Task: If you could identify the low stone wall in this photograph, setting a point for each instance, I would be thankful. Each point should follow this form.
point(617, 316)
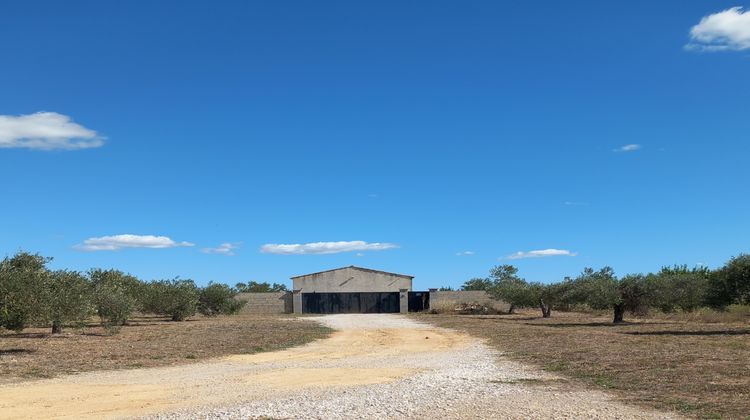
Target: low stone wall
point(454, 297)
point(267, 303)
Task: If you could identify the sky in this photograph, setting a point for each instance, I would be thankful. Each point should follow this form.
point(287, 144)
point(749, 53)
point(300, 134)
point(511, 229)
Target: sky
point(254, 140)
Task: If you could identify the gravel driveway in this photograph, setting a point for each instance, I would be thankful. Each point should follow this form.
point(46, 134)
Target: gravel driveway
point(374, 366)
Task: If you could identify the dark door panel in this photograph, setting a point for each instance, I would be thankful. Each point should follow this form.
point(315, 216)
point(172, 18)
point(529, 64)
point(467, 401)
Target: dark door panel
point(343, 303)
point(419, 301)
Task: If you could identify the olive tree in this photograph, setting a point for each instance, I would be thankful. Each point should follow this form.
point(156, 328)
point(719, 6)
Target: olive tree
point(67, 298)
point(22, 279)
point(731, 283)
point(116, 296)
point(549, 296)
point(477, 283)
point(678, 288)
point(509, 287)
point(255, 287)
point(602, 290)
point(216, 299)
point(175, 298)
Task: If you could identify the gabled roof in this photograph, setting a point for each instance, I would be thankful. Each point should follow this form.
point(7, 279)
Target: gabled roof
point(355, 268)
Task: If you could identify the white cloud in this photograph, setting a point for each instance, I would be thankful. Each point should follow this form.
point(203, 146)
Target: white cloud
point(325, 247)
point(117, 242)
point(628, 148)
point(226, 248)
point(46, 131)
point(541, 253)
point(463, 253)
point(576, 203)
point(722, 31)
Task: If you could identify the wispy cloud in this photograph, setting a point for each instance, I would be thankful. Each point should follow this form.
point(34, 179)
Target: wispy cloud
point(117, 242)
point(46, 131)
point(576, 203)
point(464, 253)
point(325, 247)
point(728, 30)
point(227, 248)
point(628, 148)
point(540, 253)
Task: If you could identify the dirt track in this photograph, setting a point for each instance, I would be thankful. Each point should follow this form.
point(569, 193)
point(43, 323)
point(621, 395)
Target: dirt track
point(373, 366)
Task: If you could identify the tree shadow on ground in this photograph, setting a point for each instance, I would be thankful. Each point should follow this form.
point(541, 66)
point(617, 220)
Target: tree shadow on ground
point(678, 332)
point(5, 352)
point(597, 324)
point(24, 335)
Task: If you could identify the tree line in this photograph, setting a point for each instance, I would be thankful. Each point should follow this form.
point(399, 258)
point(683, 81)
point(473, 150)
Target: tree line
point(32, 294)
point(671, 289)
point(255, 287)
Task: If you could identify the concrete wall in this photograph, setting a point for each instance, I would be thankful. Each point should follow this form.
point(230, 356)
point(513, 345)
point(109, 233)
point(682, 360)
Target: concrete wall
point(267, 303)
point(351, 279)
point(454, 297)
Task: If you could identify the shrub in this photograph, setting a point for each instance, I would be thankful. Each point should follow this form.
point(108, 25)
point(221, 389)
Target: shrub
point(218, 299)
point(176, 298)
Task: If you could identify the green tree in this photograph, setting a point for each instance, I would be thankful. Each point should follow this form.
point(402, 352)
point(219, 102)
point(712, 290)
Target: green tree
point(549, 296)
point(255, 287)
point(68, 298)
point(731, 283)
point(176, 298)
point(678, 287)
point(218, 299)
point(22, 278)
point(509, 287)
point(116, 296)
point(602, 290)
point(477, 283)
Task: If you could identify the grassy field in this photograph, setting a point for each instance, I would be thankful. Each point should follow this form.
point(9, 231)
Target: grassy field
point(147, 342)
point(698, 369)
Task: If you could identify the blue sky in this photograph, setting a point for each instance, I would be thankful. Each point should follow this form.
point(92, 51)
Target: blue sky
point(600, 133)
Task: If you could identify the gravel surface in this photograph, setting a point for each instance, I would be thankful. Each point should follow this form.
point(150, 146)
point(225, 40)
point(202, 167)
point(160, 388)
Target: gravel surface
point(458, 378)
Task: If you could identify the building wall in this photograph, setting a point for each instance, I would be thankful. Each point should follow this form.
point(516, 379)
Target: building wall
point(267, 303)
point(453, 297)
point(351, 280)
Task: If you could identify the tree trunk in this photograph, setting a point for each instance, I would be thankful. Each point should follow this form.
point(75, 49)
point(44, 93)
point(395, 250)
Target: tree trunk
point(546, 309)
point(512, 308)
point(619, 312)
point(56, 327)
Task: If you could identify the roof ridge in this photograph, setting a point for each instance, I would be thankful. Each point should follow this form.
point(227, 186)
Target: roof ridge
point(356, 268)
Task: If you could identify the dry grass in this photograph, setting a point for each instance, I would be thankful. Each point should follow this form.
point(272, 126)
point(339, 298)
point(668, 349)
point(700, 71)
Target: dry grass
point(696, 368)
point(147, 342)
